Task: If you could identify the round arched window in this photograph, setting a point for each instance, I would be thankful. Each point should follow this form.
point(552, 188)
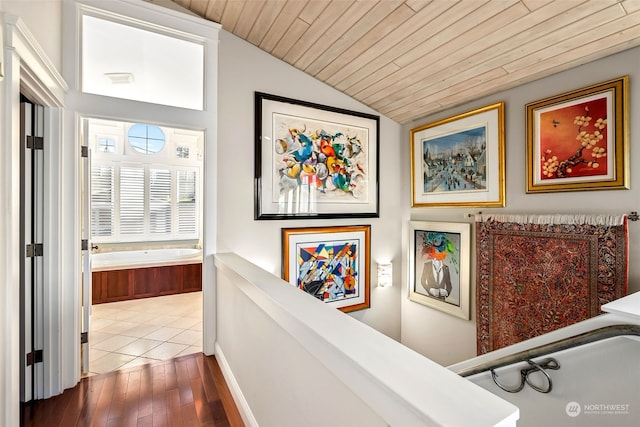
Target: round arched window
point(146, 139)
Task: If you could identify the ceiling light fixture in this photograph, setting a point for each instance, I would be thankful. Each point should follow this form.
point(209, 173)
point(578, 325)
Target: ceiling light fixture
point(119, 78)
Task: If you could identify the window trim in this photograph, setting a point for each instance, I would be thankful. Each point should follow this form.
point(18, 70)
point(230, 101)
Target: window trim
point(85, 10)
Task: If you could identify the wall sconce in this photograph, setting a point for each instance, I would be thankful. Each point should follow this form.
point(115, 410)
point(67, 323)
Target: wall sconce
point(385, 274)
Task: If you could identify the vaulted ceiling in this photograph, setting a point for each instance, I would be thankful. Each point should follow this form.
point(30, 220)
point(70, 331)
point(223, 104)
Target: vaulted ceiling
point(410, 58)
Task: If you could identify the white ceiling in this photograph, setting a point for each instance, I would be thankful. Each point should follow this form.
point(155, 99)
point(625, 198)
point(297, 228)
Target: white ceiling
point(410, 58)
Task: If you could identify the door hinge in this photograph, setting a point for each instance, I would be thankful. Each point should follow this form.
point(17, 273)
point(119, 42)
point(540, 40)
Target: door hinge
point(35, 142)
point(36, 356)
point(84, 151)
point(84, 337)
point(84, 244)
point(34, 250)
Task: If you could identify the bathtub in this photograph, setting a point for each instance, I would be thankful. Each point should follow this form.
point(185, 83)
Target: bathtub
point(144, 258)
point(596, 383)
point(126, 275)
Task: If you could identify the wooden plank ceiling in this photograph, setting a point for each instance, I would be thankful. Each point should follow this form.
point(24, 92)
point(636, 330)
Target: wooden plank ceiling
point(407, 59)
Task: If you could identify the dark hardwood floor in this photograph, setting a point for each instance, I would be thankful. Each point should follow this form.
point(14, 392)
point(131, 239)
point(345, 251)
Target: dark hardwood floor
point(183, 392)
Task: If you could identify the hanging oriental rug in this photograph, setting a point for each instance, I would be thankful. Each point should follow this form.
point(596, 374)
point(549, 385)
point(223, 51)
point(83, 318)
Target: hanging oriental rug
point(539, 273)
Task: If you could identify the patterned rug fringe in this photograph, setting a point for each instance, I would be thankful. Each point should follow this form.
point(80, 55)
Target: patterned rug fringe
point(608, 220)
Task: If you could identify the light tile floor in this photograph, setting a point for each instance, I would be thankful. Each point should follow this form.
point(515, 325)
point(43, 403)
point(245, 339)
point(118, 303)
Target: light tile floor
point(131, 333)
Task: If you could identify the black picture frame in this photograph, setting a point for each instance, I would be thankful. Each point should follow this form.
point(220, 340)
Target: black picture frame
point(314, 161)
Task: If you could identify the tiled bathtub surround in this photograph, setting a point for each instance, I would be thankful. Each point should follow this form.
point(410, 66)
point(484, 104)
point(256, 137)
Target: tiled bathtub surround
point(130, 333)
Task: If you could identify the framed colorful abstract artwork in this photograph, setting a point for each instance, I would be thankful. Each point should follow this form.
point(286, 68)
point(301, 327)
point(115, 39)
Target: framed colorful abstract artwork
point(579, 140)
point(439, 256)
point(329, 263)
point(314, 161)
point(459, 161)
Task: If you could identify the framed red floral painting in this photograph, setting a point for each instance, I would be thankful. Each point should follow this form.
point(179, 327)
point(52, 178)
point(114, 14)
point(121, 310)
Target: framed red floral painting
point(579, 140)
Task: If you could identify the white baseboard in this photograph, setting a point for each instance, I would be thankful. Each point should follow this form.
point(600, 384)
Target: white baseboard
point(234, 388)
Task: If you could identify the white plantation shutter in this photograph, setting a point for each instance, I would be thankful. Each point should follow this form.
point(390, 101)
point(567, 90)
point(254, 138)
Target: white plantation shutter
point(160, 201)
point(132, 200)
point(102, 201)
point(140, 202)
point(187, 202)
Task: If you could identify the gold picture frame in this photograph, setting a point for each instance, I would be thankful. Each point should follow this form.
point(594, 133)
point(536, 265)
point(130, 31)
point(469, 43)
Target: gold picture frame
point(460, 161)
point(578, 140)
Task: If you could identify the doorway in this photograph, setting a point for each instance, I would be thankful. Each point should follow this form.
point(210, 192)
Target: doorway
point(142, 202)
point(127, 74)
point(32, 240)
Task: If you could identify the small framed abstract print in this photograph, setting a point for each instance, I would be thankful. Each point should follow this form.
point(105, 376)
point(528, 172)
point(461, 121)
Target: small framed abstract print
point(329, 263)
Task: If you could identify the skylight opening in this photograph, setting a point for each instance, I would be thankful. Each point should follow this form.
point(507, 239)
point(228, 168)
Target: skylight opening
point(124, 61)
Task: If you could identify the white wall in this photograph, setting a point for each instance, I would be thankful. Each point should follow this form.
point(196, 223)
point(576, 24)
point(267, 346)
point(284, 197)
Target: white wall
point(447, 339)
point(46, 31)
point(244, 69)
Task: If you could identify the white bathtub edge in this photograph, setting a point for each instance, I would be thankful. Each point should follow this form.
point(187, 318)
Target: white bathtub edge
point(132, 263)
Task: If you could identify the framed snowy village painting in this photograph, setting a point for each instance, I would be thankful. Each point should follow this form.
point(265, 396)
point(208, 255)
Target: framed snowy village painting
point(459, 161)
point(314, 161)
point(329, 263)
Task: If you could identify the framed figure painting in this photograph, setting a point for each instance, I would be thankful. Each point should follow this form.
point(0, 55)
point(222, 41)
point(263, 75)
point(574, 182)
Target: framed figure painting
point(439, 266)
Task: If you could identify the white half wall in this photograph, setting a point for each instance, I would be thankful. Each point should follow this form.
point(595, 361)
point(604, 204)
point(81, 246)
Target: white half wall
point(292, 361)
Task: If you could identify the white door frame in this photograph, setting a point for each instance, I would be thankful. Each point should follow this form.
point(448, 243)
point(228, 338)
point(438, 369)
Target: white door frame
point(81, 105)
point(28, 70)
